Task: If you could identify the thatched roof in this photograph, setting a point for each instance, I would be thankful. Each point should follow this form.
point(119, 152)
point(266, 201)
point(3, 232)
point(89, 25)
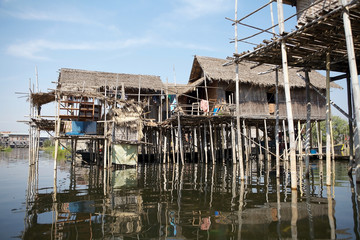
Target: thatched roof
point(214, 70)
point(42, 98)
point(89, 81)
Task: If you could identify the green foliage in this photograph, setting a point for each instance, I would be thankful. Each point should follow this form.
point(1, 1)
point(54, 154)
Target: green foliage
point(61, 152)
point(47, 143)
point(340, 129)
point(6, 149)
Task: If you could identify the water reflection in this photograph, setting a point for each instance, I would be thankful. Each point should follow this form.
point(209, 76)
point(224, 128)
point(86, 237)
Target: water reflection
point(183, 201)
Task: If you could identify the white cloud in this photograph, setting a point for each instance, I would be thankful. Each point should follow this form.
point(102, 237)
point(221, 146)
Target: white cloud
point(69, 16)
point(38, 49)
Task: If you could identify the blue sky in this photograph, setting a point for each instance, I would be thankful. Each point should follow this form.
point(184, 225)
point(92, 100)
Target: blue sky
point(136, 37)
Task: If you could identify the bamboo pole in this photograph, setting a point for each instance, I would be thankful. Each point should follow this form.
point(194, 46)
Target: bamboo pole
point(287, 97)
point(200, 146)
point(286, 155)
point(266, 138)
point(167, 98)
point(354, 82)
point(172, 143)
point(328, 137)
point(351, 130)
point(308, 124)
point(180, 140)
point(233, 142)
point(205, 145)
point(241, 163)
point(211, 143)
point(277, 148)
point(245, 142)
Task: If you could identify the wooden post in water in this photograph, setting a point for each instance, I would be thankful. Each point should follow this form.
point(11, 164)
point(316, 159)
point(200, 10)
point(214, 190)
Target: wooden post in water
point(277, 148)
point(200, 146)
point(223, 142)
point(328, 137)
point(287, 97)
point(266, 138)
point(354, 82)
point(320, 146)
point(245, 142)
point(239, 143)
point(205, 145)
point(180, 140)
point(172, 143)
point(351, 129)
point(211, 143)
point(233, 142)
point(308, 124)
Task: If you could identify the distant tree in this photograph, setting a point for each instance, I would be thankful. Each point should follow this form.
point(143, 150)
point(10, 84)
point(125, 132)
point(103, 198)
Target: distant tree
point(340, 128)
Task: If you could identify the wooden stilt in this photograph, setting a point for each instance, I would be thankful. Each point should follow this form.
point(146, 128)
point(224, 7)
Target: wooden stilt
point(233, 143)
point(200, 148)
point(245, 142)
point(211, 143)
point(286, 155)
point(223, 143)
point(328, 137)
point(351, 129)
point(308, 124)
point(299, 141)
point(180, 140)
point(266, 138)
point(287, 97)
point(354, 82)
point(205, 145)
point(172, 143)
point(277, 147)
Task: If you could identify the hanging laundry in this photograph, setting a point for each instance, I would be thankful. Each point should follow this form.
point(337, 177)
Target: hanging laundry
point(204, 105)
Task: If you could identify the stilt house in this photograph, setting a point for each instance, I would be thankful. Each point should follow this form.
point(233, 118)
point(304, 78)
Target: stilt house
point(210, 80)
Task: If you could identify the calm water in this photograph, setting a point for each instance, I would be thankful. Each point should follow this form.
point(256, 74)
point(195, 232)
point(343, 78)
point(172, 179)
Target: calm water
point(171, 202)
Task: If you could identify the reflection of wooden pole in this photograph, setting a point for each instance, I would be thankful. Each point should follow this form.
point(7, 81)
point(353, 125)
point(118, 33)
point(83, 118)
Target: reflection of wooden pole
point(287, 97)
point(331, 212)
point(328, 137)
point(354, 82)
point(294, 214)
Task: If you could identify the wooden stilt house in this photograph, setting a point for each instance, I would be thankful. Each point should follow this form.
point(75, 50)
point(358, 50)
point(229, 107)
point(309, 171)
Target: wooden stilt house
point(211, 81)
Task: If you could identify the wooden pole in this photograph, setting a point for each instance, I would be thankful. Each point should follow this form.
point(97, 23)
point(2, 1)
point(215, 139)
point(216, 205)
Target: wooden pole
point(233, 142)
point(351, 130)
point(172, 143)
point(139, 88)
point(266, 141)
point(180, 140)
point(245, 142)
point(354, 82)
point(241, 163)
point(308, 124)
point(223, 142)
point(205, 145)
point(167, 98)
point(287, 97)
point(105, 130)
point(211, 143)
point(277, 148)
point(299, 141)
point(328, 136)
point(200, 146)
point(286, 155)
